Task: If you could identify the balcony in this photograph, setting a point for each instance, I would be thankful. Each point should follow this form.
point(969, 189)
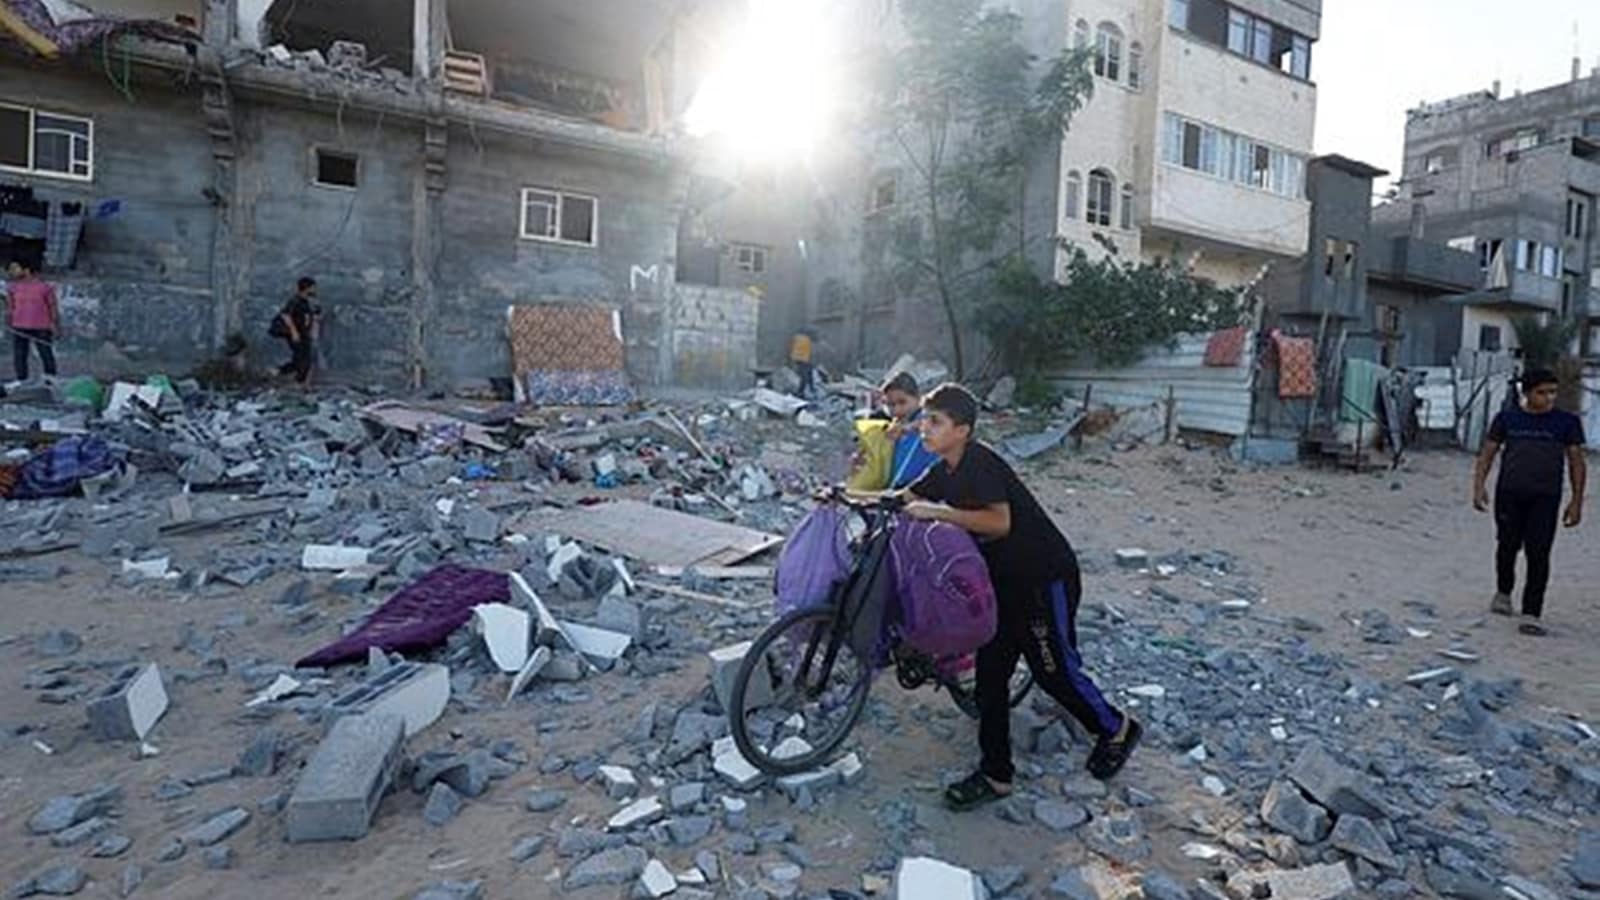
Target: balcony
point(1410, 260)
point(1523, 292)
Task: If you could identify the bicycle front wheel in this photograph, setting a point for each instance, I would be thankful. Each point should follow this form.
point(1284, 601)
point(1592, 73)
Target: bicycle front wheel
point(798, 692)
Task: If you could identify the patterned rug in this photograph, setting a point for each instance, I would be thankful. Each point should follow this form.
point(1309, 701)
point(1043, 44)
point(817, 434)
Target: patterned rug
point(567, 355)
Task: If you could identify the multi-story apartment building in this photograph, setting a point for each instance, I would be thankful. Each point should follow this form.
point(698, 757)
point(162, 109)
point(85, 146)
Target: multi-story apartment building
point(1195, 143)
point(1515, 181)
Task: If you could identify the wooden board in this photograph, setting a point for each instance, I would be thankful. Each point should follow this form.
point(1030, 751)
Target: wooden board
point(658, 537)
point(398, 415)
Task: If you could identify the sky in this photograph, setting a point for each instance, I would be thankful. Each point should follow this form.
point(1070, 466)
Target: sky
point(1378, 58)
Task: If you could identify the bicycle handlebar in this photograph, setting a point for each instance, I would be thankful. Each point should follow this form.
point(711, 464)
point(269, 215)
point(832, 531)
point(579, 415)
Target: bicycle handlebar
point(888, 501)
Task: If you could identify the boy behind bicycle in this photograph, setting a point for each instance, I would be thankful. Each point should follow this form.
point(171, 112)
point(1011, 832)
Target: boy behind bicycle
point(1037, 585)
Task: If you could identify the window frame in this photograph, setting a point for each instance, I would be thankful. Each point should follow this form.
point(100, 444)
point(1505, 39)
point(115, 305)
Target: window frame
point(1125, 207)
point(316, 168)
point(561, 196)
point(1135, 66)
point(1577, 218)
point(1099, 214)
point(1072, 196)
point(32, 167)
point(755, 252)
point(1108, 52)
point(1231, 157)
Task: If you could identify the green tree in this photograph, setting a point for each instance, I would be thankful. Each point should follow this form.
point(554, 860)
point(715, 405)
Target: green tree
point(965, 107)
point(1108, 310)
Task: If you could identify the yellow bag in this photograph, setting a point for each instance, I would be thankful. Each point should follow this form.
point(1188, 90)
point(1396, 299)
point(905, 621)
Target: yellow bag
point(877, 456)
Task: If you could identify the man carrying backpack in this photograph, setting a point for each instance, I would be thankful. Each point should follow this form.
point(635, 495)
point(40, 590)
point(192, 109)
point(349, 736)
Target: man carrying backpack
point(297, 324)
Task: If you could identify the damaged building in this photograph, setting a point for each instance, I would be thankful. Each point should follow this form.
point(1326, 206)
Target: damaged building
point(189, 160)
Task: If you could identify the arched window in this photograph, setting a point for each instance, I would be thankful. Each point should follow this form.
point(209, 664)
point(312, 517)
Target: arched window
point(1108, 52)
point(1135, 66)
point(1073, 186)
point(1127, 207)
point(1080, 35)
point(1099, 203)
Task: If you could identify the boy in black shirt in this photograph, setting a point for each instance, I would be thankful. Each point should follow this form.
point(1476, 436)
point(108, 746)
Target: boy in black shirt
point(1037, 585)
point(297, 324)
point(1539, 441)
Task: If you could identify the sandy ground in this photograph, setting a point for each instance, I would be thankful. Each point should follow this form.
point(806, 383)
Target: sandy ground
point(1322, 545)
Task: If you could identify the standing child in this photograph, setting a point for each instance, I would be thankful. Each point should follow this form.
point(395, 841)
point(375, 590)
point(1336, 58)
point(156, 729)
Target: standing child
point(1539, 441)
point(800, 350)
point(33, 317)
point(1037, 586)
point(903, 398)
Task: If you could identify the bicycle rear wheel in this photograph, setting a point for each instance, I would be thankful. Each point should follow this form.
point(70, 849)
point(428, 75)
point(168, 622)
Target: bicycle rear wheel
point(966, 699)
point(798, 692)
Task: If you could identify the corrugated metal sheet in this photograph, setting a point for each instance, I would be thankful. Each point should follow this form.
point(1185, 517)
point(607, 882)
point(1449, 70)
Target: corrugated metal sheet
point(1208, 398)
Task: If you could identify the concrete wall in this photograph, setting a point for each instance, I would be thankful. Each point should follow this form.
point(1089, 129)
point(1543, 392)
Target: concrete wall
point(714, 335)
point(484, 265)
point(142, 278)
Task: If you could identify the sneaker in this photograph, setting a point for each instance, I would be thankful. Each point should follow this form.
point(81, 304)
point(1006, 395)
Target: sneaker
point(1111, 752)
point(1532, 627)
point(1500, 605)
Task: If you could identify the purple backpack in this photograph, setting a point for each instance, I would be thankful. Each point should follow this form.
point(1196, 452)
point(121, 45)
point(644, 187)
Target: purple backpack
point(814, 559)
point(947, 603)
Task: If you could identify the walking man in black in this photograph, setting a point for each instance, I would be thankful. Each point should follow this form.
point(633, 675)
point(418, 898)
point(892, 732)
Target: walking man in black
point(1540, 441)
point(297, 324)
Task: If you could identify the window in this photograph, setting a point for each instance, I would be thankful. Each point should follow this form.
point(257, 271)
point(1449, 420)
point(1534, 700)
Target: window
point(1300, 57)
point(1074, 186)
point(1439, 160)
point(1522, 139)
point(885, 192)
point(46, 143)
point(550, 215)
point(1569, 291)
point(1352, 252)
point(1108, 52)
point(1489, 338)
point(1127, 207)
point(1549, 261)
point(1238, 32)
point(1591, 127)
point(1527, 251)
point(1261, 47)
point(750, 258)
point(1178, 13)
point(1231, 156)
point(1488, 252)
point(1332, 252)
point(1135, 66)
point(1099, 205)
point(1080, 35)
point(1577, 218)
point(335, 169)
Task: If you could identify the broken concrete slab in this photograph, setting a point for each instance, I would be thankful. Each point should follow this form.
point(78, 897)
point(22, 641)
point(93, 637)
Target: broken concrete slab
point(619, 782)
point(1287, 810)
point(637, 814)
point(1340, 789)
point(339, 790)
point(617, 865)
point(1324, 882)
point(600, 646)
point(505, 631)
point(217, 828)
point(416, 692)
point(537, 660)
point(925, 878)
point(127, 708)
point(444, 803)
point(656, 880)
point(333, 557)
point(1357, 836)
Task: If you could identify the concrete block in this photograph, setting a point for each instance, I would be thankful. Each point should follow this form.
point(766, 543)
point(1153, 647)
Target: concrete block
point(1132, 558)
point(1324, 882)
point(129, 706)
point(1287, 810)
point(739, 773)
point(343, 782)
point(637, 814)
point(725, 662)
point(656, 880)
point(506, 632)
point(922, 878)
point(333, 557)
point(620, 783)
point(416, 692)
point(216, 829)
point(1340, 789)
point(1357, 836)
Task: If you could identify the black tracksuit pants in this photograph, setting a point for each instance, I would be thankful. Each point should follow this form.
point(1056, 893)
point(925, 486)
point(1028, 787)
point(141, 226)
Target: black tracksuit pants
point(1525, 523)
point(1036, 623)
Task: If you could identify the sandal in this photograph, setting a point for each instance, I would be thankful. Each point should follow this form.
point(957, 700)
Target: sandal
point(1111, 752)
point(972, 792)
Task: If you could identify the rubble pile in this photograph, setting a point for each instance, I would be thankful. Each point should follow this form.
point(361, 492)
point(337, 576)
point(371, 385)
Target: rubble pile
point(589, 683)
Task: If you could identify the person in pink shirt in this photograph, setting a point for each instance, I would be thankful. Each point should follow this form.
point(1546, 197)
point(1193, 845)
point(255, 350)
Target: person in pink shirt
point(33, 318)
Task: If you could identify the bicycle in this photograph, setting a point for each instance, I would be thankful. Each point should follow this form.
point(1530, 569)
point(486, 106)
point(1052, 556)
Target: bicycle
point(808, 674)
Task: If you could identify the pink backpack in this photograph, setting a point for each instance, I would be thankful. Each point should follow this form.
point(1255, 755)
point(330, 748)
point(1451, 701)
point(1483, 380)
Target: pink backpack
point(947, 602)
